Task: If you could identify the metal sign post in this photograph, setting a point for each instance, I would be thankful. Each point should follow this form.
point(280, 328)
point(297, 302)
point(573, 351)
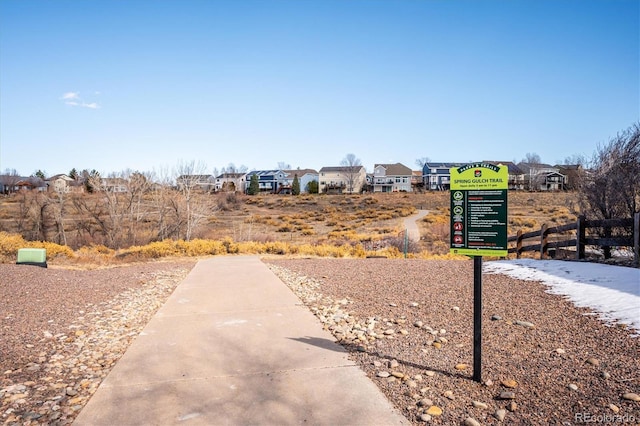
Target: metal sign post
point(477, 319)
point(479, 228)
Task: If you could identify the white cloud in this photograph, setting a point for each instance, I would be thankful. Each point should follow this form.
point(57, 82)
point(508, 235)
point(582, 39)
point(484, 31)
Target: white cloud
point(70, 96)
point(74, 99)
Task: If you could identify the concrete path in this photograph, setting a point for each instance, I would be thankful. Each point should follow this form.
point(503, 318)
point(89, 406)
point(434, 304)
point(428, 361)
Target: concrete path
point(411, 225)
point(234, 346)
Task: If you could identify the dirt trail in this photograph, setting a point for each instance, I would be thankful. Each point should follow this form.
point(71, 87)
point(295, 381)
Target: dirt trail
point(411, 225)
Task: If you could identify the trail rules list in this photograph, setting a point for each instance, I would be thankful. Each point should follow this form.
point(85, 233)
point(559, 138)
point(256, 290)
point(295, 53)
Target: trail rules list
point(479, 209)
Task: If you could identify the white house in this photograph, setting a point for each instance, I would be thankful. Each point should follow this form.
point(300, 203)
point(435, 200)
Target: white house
point(392, 178)
point(342, 179)
point(60, 183)
point(304, 177)
point(231, 182)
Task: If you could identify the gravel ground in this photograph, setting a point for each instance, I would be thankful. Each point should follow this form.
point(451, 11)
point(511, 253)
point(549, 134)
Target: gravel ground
point(61, 332)
point(409, 325)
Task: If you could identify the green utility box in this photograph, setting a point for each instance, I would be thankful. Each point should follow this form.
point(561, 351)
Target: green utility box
point(32, 256)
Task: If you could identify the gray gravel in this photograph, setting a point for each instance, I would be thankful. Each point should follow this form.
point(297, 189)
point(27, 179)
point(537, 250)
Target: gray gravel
point(61, 332)
point(544, 360)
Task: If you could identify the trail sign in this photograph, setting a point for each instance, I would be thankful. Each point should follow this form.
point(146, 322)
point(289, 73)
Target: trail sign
point(479, 209)
point(479, 228)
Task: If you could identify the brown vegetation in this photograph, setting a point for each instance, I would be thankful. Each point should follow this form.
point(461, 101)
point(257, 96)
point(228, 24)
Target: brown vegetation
point(155, 224)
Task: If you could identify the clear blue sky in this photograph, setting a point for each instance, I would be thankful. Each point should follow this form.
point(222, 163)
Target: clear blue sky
point(144, 85)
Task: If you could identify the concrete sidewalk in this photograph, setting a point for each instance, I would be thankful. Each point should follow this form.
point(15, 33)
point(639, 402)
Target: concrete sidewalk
point(234, 346)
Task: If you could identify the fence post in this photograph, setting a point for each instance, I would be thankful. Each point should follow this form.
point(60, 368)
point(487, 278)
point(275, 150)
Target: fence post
point(636, 238)
point(580, 237)
point(543, 241)
point(518, 243)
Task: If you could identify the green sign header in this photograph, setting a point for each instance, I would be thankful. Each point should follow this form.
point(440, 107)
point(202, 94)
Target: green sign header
point(480, 176)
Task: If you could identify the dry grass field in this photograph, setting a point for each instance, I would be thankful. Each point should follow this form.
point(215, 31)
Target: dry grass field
point(281, 224)
point(371, 217)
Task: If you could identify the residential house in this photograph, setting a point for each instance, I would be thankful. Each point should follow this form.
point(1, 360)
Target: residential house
point(574, 173)
point(342, 179)
point(231, 182)
point(392, 178)
point(304, 177)
point(436, 176)
point(8, 183)
point(204, 183)
point(31, 183)
point(62, 184)
point(270, 181)
point(417, 183)
point(114, 185)
point(516, 176)
point(542, 177)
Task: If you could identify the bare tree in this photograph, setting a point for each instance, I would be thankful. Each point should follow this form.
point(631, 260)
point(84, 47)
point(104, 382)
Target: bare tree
point(195, 206)
point(421, 162)
point(532, 158)
point(137, 186)
point(575, 159)
point(162, 197)
point(530, 165)
point(232, 168)
point(9, 179)
point(283, 165)
point(33, 215)
point(112, 215)
point(352, 166)
point(573, 168)
point(611, 188)
point(59, 211)
point(88, 215)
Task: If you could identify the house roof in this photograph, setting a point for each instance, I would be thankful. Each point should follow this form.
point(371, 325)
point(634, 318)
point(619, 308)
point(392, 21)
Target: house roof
point(396, 169)
point(264, 172)
point(60, 176)
point(526, 167)
point(230, 175)
point(300, 172)
point(511, 166)
point(32, 181)
point(568, 167)
point(344, 169)
point(198, 177)
point(442, 165)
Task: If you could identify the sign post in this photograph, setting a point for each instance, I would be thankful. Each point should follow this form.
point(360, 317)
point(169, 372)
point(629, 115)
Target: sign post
point(479, 228)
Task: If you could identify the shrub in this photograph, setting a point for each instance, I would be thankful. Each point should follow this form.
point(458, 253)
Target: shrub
point(11, 243)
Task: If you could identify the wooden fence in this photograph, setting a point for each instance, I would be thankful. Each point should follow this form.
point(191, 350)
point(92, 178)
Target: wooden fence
point(581, 238)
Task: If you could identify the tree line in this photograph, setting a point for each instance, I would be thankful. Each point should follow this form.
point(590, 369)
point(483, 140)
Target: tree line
point(153, 208)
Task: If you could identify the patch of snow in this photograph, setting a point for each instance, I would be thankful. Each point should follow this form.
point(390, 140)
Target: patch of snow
point(611, 291)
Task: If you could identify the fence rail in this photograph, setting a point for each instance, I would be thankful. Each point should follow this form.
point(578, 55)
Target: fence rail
point(581, 238)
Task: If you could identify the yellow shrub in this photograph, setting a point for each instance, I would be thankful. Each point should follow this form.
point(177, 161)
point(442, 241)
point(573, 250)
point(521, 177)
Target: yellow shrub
point(276, 247)
point(53, 249)
point(11, 243)
point(436, 218)
point(249, 247)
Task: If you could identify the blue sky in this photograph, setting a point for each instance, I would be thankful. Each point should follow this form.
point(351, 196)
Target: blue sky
point(145, 85)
